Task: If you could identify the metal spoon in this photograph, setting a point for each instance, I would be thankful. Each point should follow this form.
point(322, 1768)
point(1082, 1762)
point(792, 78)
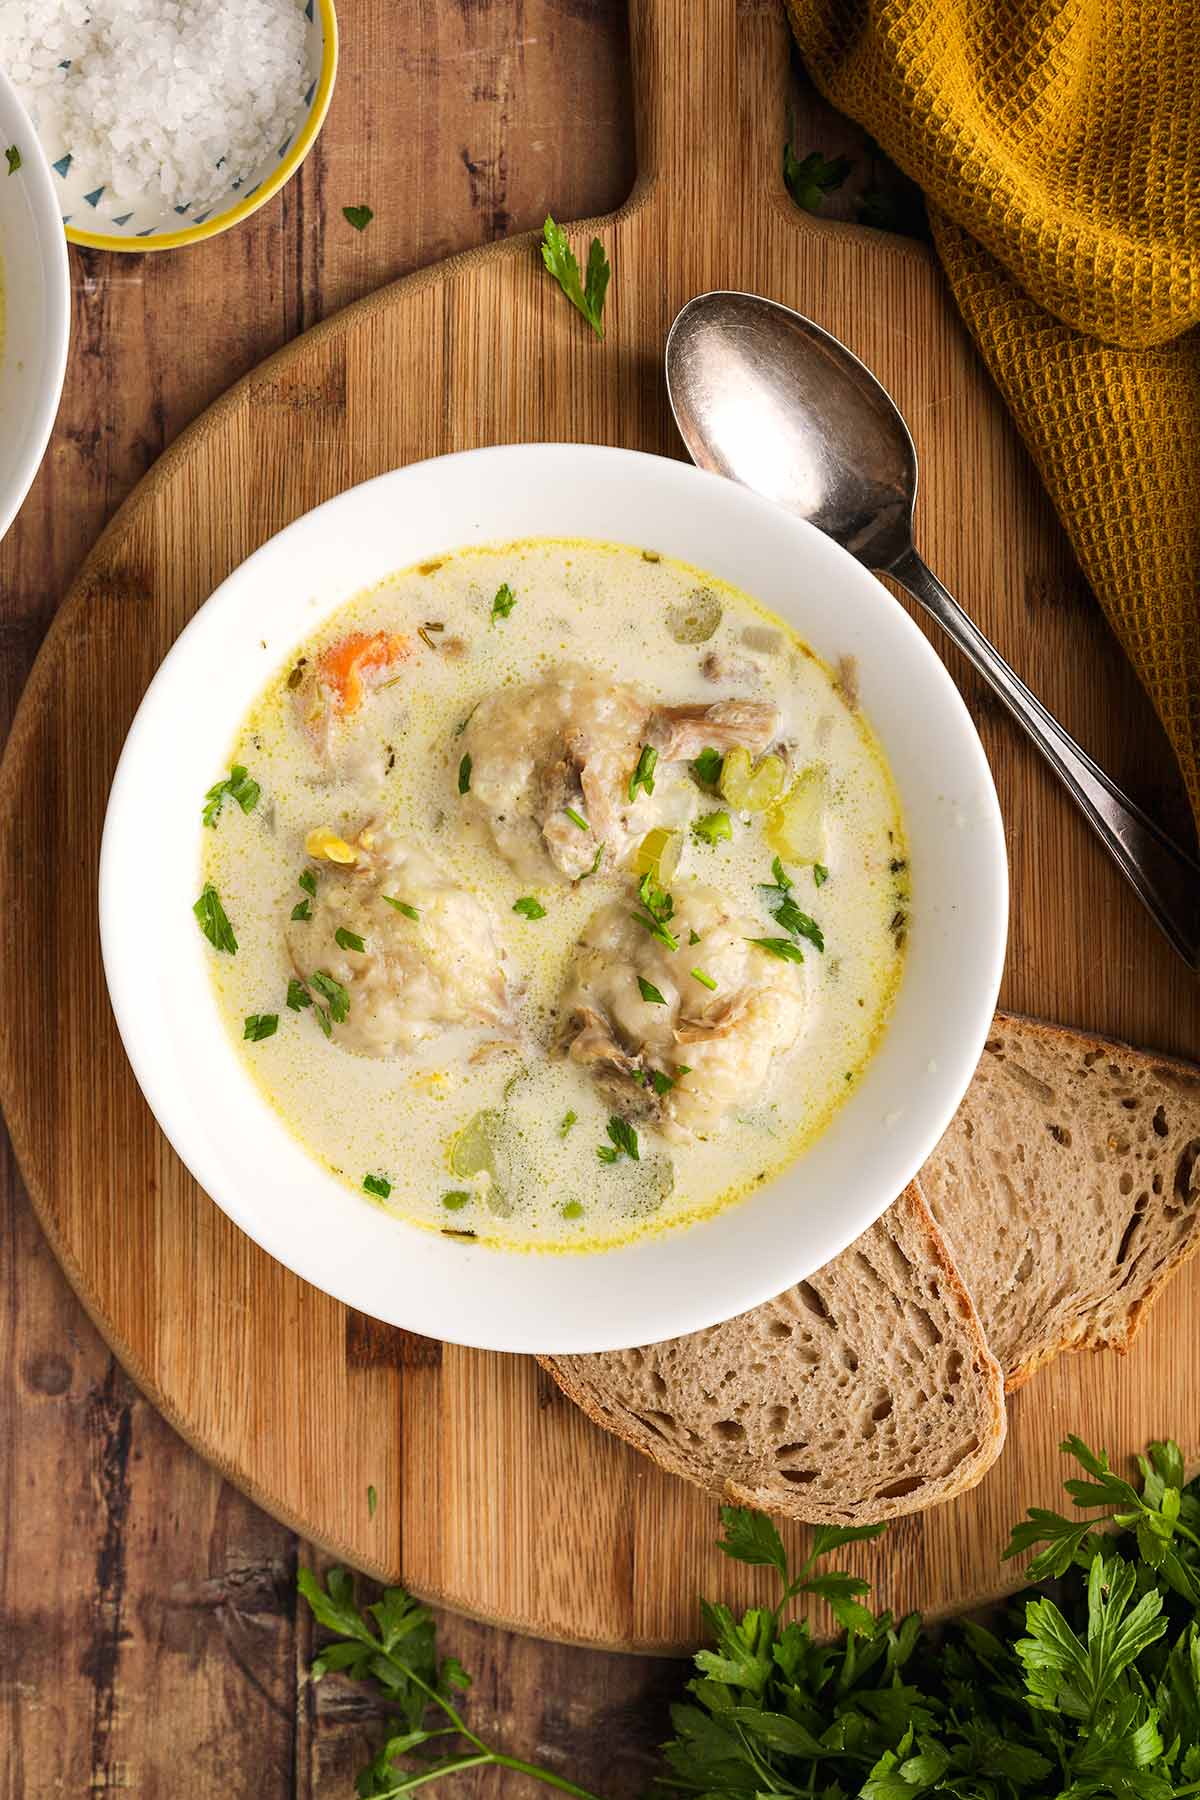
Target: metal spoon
point(764, 396)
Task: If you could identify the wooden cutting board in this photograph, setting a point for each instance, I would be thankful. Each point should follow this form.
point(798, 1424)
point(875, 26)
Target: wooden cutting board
point(495, 1495)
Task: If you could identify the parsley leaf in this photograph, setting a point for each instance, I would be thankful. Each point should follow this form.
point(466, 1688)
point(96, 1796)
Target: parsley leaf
point(643, 775)
point(820, 875)
point(401, 906)
point(504, 602)
point(713, 827)
point(348, 940)
point(569, 1119)
point(379, 1185)
point(13, 158)
point(661, 1082)
point(358, 216)
point(707, 767)
point(214, 922)
point(657, 908)
point(238, 786)
point(259, 1026)
point(783, 948)
point(334, 993)
point(586, 296)
point(308, 882)
point(624, 1141)
point(531, 908)
point(649, 992)
point(302, 911)
point(785, 912)
point(809, 180)
point(298, 996)
point(464, 775)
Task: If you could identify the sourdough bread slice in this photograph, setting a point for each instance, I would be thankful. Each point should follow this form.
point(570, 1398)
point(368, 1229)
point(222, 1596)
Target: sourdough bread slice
point(865, 1392)
point(1068, 1187)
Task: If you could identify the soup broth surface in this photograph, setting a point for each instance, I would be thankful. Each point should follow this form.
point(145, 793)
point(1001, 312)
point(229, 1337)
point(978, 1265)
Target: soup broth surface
point(488, 1127)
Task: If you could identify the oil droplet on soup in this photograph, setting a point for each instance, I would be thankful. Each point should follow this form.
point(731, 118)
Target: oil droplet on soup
point(578, 887)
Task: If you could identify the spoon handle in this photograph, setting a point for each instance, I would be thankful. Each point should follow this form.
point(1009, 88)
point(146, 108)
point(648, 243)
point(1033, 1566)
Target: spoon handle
point(1166, 877)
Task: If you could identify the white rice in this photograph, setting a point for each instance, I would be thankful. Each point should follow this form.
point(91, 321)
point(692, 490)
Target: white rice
point(168, 99)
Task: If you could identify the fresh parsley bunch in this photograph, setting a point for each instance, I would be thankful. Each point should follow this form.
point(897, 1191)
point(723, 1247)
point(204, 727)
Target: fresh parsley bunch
point(1092, 1694)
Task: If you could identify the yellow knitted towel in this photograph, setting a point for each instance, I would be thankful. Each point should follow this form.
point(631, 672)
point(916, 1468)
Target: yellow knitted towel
point(1058, 145)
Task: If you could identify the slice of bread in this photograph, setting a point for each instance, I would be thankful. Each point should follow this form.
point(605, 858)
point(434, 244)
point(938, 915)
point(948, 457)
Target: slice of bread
point(1068, 1187)
point(864, 1392)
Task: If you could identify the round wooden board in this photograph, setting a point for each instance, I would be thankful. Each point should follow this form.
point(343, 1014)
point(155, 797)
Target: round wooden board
point(495, 1495)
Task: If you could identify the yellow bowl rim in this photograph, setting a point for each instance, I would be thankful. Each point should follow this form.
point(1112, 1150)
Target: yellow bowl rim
point(267, 189)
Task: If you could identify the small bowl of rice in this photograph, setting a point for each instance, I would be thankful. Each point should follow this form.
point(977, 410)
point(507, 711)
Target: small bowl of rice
point(167, 121)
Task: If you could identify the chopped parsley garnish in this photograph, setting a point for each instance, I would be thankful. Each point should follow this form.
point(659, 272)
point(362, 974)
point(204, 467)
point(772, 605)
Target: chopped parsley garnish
point(572, 1209)
point(214, 922)
point(808, 179)
point(587, 296)
point(529, 907)
point(379, 1185)
point(12, 157)
point(704, 979)
point(298, 996)
point(707, 767)
point(322, 1018)
point(783, 948)
point(713, 827)
point(657, 908)
point(302, 909)
point(401, 906)
point(504, 601)
point(238, 786)
point(456, 1199)
point(259, 1026)
point(358, 216)
point(308, 882)
point(348, 940)
point(643, 775)
point(820, 874)
point(576, 818)
point(693, 937)
point(464, 775)
point(595, 863)
point(624, 1142)
point(569, 1119)
point(649, 992)
point(661, 1082)
point(334, 993)
point(785, 912)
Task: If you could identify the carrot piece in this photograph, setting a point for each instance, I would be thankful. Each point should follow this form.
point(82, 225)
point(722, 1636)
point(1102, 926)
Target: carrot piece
point(342, 668)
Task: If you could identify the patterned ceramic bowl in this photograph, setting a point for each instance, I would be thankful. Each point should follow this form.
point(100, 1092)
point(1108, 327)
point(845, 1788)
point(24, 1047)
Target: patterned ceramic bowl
point(97, 220)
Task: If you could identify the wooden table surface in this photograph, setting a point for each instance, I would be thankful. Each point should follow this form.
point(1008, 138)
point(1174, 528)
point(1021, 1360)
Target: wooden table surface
point(150, 1640)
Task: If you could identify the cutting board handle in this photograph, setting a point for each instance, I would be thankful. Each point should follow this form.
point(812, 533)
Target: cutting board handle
point(709, 80)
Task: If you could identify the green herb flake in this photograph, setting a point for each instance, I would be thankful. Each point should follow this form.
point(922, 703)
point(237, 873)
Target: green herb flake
point(569, 1119)
point(623, 1141)
point(358, 216)
point(643, 774)
point(595, 863)
point(464, 775)
point(321, 1015)
point(577, 819)
point(308, 882)
point(713, 828)
point(334, 993)
point(238, 786)
point(587, 296)
point(783, 948)
point(298, 996)
point(693, 937)
point(572, 1209)
point(214, 922)
point(785, 912)
point(12, 157)
point(808, 180)
point(657, 908)
point(704, 979)
point(503, 602)
point(259, 1026)
point(820, 875)
point(529, 908)
point(302, 911)
point(372, 1502)
point(378, 1185)
point(456, 1199)
point(401, 906)
point(348, 940)
point(707, 767)
point(649, 992)
point(660, 1081)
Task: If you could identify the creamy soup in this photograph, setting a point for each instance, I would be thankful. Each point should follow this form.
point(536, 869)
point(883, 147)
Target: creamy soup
point(569, 894)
